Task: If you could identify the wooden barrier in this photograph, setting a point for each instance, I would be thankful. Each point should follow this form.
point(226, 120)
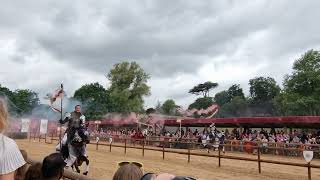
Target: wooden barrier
point(219, 156)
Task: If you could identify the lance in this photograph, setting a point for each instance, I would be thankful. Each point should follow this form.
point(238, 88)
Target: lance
point(61, 101)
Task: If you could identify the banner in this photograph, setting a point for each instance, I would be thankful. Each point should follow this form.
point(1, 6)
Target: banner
point(25, 124)
point(43, 126)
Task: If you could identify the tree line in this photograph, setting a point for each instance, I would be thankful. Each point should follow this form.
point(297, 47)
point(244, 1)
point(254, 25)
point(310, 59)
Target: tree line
point(299, 95)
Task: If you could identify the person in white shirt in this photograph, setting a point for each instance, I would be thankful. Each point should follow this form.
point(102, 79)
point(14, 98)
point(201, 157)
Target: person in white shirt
point(11, 158)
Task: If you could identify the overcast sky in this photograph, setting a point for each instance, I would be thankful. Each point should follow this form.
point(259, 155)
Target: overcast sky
point(179, 43)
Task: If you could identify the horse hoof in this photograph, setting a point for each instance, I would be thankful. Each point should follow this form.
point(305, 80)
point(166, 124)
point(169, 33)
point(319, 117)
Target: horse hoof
point(85, 173)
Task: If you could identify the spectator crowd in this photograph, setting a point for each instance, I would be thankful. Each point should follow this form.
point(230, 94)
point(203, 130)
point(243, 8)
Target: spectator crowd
point(265, 136)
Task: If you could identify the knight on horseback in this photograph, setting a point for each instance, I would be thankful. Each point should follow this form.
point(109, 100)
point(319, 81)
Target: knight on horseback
point(77, 136)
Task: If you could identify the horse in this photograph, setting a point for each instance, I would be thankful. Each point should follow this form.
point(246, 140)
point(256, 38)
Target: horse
point(215, 140)
point(78, 143)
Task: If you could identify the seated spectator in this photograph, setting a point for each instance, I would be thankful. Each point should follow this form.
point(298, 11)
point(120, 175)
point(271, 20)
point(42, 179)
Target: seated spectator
point(10, 157)
point(128, 171)
point(53, 167)
point(20, 172)
point(34, 172)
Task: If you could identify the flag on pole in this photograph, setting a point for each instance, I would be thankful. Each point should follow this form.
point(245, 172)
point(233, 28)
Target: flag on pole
point(59, 93)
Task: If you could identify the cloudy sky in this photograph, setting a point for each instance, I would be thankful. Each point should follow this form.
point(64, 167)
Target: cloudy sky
point(179, 43)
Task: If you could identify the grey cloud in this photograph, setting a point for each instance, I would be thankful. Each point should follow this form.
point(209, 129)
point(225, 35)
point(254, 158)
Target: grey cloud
point(167, 38)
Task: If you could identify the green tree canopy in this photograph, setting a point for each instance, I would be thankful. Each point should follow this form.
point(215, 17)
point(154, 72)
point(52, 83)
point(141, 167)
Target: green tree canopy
point(25, 100)
point(169, 107)
point(263, 89)
point(201, 103)
point(128, 87)
point(226, 96)
point(302, 87)
point(235, 91)
point(222, 98)
point(237, 107)
point(203, 89)
point(95, 100)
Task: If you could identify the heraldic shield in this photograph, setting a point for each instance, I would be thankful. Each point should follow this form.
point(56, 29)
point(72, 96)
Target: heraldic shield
point(308, 156)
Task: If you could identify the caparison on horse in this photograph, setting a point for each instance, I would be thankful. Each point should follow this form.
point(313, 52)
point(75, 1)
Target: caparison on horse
point(75, 139)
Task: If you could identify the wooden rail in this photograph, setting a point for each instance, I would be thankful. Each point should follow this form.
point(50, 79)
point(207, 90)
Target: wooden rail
point(219, 156)
point(189, 152)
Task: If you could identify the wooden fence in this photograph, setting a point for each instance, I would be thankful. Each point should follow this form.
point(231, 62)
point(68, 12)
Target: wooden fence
point(188, 152)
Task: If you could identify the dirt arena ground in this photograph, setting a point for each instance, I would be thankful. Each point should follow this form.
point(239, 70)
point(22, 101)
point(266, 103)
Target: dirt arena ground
point(103, 163)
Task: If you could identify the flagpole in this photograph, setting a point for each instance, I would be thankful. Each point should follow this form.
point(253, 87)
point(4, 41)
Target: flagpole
point(61, 117)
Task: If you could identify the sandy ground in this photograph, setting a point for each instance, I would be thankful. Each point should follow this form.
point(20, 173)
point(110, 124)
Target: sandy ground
point(103, 163)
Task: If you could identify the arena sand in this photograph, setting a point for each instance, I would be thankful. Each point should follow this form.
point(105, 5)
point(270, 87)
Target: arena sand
point(103, 163)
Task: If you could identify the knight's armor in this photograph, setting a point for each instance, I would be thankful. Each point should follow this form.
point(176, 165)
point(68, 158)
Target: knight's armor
point(76, 127)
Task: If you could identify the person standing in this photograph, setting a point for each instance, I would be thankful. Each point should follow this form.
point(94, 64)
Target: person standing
point(10, 156)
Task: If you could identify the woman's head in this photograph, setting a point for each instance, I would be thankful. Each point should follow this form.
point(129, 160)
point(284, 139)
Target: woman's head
point(128, 172)
point(3, 115)
point(34, 172)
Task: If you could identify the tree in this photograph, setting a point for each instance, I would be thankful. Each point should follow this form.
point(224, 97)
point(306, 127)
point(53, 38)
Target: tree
point(201, 103)
point(222, 98)
point(203, 89)
point(158, 107)
point(128, 87)
point(4, 91)
point(169, 107)
point(237, 107)
point(302, 88)
point(95, 100)
point(150, 111)
point(263, 89)
point(8, 95)
point(25, 100)
point(235, 91)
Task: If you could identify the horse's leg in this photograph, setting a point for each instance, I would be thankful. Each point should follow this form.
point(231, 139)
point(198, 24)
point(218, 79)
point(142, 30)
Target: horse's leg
point(77, 168)
point(72, 156)
point(86, 167)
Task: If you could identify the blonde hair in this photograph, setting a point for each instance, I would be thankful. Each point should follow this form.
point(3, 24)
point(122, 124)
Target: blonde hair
point(3, 115)
point(128, 172)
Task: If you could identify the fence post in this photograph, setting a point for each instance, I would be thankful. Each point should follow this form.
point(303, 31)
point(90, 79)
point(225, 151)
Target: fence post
point(162, 151)
point(188, 155)
point(144, 141)
point(259, 162)
point(125, 146)
point(309, 171)
point(219, 154)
